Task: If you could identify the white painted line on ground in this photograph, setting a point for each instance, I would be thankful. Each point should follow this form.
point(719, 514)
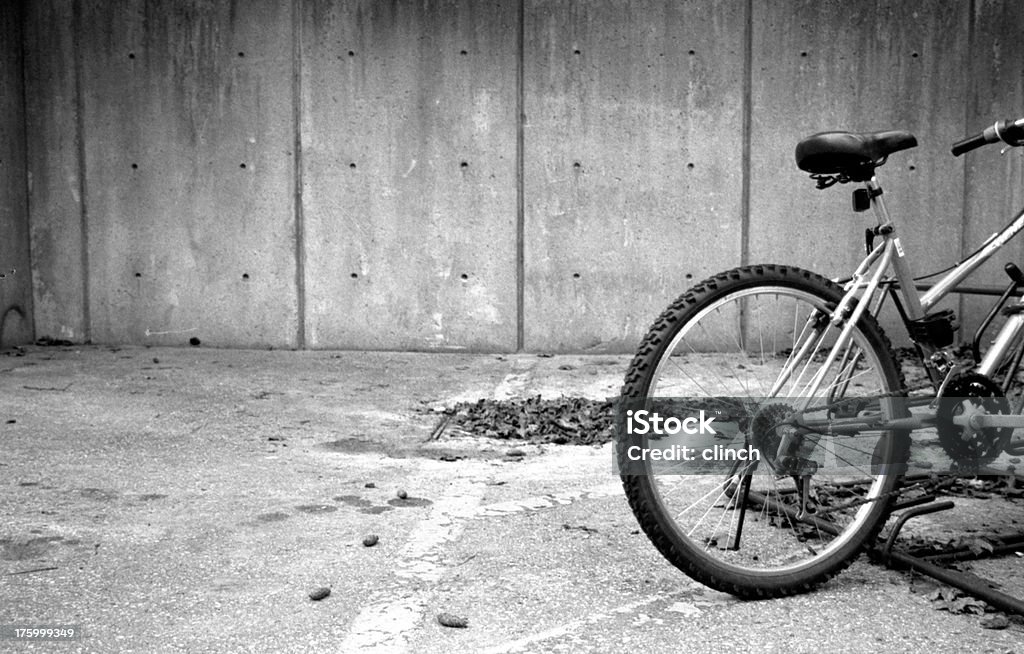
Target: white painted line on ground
point(382, 626)
point(563, 629)
point(539, 502)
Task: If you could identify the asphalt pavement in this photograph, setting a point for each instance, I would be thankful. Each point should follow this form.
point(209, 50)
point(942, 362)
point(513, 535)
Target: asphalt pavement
point(191, 500)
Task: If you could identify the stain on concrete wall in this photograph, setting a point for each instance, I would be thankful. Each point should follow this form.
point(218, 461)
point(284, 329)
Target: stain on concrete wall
point(632, 177)
point(15, 289)
point(409, 174)
point(480, 175)
point(188, 160)
point(52, 115)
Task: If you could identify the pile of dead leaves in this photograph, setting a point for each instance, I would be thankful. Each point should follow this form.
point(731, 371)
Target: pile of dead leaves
point(562, 420)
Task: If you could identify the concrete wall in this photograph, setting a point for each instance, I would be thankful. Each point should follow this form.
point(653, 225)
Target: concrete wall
point(484, 175)
point(16, 289)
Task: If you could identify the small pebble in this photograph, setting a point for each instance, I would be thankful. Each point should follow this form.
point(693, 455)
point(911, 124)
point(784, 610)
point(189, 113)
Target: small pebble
point(371, 540)
point(454, 621)
point(402, 494)
point(319, 594)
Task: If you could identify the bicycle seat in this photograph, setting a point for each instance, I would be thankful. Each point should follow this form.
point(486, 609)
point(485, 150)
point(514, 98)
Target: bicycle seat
point(848, 154)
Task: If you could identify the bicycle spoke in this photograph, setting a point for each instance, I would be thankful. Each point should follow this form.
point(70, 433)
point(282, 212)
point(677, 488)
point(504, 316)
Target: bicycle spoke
point(749, 518)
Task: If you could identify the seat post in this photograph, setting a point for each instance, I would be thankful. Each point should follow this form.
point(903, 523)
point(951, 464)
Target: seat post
point(901, 267)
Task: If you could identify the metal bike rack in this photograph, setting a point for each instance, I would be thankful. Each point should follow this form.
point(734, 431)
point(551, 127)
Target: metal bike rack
point(970, 584)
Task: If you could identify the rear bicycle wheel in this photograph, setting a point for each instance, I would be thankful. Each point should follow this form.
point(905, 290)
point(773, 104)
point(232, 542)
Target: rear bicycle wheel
point(727, 343)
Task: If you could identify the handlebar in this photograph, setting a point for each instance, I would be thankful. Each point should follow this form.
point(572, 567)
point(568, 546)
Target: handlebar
point(1008, 131)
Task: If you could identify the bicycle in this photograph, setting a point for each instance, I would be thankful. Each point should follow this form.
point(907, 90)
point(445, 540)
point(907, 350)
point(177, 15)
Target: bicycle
point(801, 378)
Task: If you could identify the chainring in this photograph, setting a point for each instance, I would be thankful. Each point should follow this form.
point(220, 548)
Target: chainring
point(969, 448)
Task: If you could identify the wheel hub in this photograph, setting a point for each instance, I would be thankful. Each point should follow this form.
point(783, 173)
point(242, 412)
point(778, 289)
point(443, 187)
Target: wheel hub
point(779, 442)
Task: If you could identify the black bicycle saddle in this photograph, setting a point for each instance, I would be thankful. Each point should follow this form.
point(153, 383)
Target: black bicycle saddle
point(848, 154)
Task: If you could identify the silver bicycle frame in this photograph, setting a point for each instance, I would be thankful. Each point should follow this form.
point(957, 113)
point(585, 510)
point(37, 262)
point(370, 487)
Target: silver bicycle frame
point(863, 286)
point(917, 306)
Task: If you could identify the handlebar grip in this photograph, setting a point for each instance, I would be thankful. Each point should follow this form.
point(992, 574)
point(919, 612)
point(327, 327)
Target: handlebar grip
point(969, 144)
point(991, 134)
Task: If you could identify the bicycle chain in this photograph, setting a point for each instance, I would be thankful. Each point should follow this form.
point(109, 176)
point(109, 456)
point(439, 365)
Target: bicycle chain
point(900, 392)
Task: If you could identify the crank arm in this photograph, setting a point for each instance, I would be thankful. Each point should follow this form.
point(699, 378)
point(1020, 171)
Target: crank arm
point(986, 420)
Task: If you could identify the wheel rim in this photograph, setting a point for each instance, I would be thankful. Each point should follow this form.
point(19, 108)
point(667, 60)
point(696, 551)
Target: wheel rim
point(736, 348)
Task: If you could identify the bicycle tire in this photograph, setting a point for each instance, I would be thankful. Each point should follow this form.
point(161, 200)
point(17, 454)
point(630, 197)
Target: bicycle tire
point(693, 552)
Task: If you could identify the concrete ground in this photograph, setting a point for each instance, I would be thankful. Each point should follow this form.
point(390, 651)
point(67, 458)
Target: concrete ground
point(191, 499)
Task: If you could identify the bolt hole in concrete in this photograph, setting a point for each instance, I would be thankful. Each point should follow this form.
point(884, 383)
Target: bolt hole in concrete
point(464, 165)
point(241, 54)
point(241, 165)
point(352, 165)
point(692, 52)
point(131, 55)
point(577, 165)
point(354, 275)
point(351, 54)
point(576, 52)
point(463, 52)
point(575, 275)
point(245, 276)
point(464, 276)
point(135, 166)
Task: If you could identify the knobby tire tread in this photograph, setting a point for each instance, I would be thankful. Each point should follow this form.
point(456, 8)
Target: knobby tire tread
point(646, 359)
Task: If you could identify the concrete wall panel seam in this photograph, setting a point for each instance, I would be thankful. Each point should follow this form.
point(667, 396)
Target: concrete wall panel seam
point(748, 63)
point(29, 310)
point(83, 181)
point(299, 218)
point(961, 300)
point(520, 176)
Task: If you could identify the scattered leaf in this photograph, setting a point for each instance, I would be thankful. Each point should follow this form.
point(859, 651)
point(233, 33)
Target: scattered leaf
point(995, 621)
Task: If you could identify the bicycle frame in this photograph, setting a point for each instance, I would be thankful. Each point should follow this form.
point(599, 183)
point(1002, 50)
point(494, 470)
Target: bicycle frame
point(865, 283)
